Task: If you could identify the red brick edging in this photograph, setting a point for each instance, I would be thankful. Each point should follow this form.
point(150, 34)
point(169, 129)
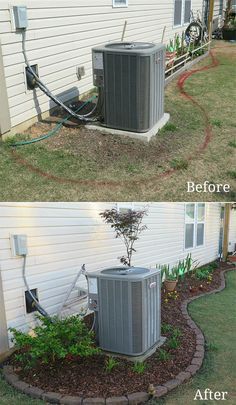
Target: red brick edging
point(130, 399)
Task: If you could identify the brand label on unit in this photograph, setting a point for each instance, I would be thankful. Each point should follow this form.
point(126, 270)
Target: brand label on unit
point(92, 285)
point(98, 60)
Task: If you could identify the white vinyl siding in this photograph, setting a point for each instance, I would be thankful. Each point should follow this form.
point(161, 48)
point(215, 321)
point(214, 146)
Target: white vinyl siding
point(63, 236)
point(60, 38)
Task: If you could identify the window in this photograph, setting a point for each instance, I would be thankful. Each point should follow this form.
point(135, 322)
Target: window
point(182, 12)
point(120, 3)
point(194, 225)
point(125, 207)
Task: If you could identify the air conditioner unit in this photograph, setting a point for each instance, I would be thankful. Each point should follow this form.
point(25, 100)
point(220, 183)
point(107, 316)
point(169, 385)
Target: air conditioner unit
point(130, 77)
point(127, 302)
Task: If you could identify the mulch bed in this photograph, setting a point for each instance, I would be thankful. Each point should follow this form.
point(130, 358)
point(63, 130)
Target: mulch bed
point(88, 377)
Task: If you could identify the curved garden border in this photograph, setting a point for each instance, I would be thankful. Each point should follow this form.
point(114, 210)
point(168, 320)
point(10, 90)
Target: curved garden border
point(130, 399)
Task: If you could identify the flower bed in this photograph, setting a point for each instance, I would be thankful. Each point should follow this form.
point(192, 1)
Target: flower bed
point(91, 379)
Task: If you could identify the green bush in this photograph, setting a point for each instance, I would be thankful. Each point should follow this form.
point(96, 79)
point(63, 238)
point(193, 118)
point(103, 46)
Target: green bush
point(203, 274)
point(54, 340)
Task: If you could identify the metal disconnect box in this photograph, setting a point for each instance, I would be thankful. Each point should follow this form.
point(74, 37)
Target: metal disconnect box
point(128, 306)
point(130, 78)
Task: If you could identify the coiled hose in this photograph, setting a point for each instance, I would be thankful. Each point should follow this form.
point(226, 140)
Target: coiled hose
point(54, 130)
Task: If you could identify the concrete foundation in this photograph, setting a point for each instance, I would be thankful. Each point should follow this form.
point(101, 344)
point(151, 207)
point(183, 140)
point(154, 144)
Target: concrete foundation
point(142, 357)
point(143, 136)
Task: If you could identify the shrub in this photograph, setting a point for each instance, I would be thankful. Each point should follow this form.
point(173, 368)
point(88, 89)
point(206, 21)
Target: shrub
point(203, 274)
point(139, 367)
point(110, 364)
point(163, 355)
point(127, 226)
point(54, 340)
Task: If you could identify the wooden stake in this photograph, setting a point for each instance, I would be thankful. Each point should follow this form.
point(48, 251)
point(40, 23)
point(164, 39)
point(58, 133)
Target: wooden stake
point(124, 30)
point(163, 34)
point(210, 17)
point(226, 230)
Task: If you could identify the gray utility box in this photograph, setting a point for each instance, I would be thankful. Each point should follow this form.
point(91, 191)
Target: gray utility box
point(127, 302)
point(130, 78)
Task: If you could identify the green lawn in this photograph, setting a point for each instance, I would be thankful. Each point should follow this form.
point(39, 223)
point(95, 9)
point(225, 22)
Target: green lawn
point(117, 168)
point(215, 315)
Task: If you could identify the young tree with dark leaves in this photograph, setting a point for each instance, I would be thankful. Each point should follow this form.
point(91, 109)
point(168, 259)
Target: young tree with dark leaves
point(127, 226)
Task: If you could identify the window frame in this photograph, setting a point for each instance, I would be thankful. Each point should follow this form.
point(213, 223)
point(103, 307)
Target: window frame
point(114, 5)
point(183, 24)
point(195, 223)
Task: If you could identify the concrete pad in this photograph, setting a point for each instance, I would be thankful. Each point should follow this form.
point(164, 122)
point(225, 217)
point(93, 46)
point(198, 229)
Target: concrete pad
point(143, 136)
point(142, 357)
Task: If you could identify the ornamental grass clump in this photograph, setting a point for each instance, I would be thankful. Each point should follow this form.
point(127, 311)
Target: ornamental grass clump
point(54, 339)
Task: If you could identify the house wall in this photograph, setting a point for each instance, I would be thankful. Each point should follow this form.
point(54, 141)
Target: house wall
point(63, 236)
point(60, 37)
point(232, 231)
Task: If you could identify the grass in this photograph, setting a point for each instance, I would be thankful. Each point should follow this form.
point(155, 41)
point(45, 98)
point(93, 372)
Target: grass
point(125, 169)
point(9, 396)
point(215, 314)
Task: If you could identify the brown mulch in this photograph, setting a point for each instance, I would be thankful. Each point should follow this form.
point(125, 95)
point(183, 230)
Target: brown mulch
point(88, 377)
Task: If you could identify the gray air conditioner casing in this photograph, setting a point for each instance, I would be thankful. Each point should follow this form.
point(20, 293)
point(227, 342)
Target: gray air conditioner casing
point(127, 302)
point(130, 78)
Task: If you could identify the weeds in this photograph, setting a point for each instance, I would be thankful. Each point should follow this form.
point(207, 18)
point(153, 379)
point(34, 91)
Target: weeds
point(211, 347)
point(169, 127)
point(232, 174)
point(232, 143)
point(217, 123)
point(179, 164)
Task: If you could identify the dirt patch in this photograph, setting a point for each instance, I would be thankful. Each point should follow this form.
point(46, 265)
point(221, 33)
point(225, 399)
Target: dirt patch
point(88, 377)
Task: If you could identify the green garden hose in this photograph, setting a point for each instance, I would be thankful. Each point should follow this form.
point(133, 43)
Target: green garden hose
point(54, 130)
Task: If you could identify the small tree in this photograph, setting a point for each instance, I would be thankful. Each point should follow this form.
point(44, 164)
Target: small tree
point(127, 226)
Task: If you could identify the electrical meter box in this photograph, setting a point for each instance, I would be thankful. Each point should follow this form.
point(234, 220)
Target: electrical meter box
point(130, 77)
point(127, 301)
point(20, 16)
point(19, 245)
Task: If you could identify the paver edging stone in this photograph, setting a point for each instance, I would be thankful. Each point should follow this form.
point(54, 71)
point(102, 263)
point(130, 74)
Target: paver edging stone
point(137, 397)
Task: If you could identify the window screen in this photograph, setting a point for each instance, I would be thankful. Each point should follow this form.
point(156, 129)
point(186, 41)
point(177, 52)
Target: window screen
point(200, 234)
point(178, 12)
point(189, 236)
point(187, 11)
point(194, 225)
point(120, 3)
